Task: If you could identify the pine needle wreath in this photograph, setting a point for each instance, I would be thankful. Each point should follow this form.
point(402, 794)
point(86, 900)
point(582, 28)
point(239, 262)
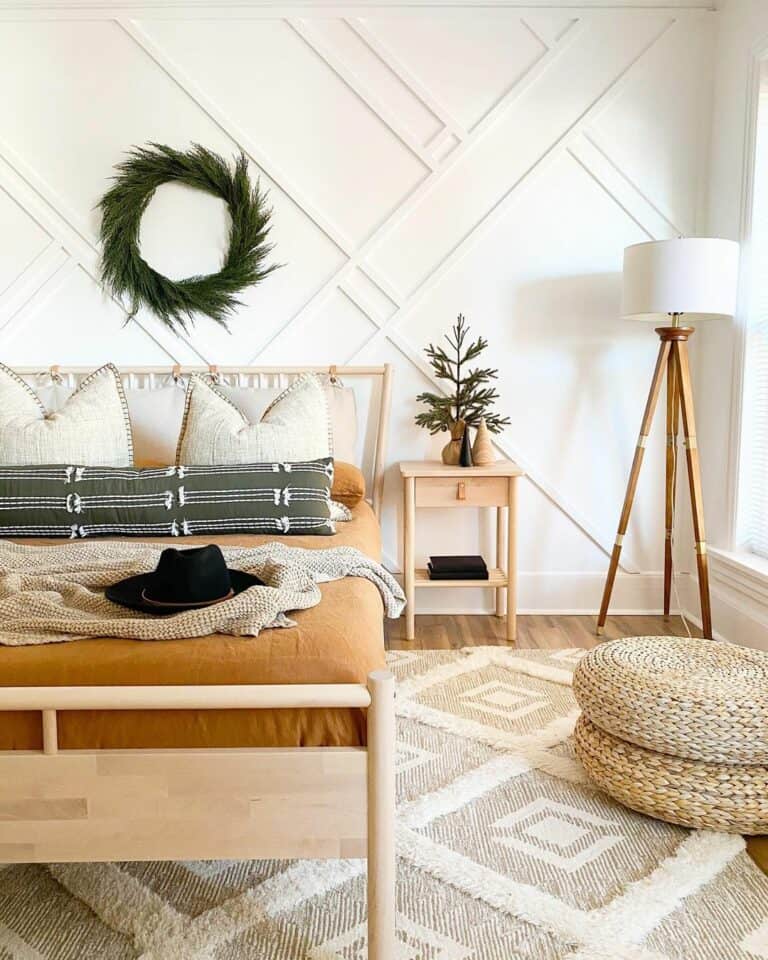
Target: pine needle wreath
point(176, 302)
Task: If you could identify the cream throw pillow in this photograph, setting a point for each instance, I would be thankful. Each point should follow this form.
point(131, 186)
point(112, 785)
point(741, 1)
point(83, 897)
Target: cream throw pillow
point(295, 426)
point(92, 428)
point(342, 409)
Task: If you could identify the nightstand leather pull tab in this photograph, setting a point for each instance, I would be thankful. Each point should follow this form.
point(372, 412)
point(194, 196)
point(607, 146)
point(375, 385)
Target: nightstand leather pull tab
point(461, 490)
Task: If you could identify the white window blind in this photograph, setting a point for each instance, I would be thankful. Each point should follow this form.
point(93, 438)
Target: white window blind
point(753, 499)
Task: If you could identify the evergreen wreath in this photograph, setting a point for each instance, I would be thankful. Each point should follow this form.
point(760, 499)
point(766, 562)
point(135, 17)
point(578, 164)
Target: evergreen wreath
point(470, 397)
point(176, 302)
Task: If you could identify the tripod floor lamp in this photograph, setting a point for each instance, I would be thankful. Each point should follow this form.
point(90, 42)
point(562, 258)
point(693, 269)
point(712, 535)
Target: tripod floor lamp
point(696, 278)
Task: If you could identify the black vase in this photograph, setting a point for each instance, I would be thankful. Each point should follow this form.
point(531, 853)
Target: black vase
point(465, 457)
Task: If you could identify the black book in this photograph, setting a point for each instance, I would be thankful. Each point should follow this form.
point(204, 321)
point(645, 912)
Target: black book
point(458, 564)
point(471, 574)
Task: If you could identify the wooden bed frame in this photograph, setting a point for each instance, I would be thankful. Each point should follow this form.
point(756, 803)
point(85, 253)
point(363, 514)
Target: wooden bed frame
point(186, 804)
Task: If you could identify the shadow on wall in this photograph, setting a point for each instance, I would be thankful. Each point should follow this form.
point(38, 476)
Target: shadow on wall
point(583, 308)
point(589, 371)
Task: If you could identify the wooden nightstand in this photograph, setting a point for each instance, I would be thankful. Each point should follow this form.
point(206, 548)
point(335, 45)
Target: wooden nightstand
point(431, 484)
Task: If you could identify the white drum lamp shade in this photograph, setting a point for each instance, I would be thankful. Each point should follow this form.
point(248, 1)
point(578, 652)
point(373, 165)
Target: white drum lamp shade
point(695, 276)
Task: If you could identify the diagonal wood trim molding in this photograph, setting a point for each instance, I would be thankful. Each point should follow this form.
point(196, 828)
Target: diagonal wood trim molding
point(603, 541)
point(535, 169)
point(357, 85)
point(235, 133)
point(392, 62)
point(357, 258)
point(45, 207)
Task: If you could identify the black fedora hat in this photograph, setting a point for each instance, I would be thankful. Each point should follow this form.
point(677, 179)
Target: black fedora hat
point(182, 580)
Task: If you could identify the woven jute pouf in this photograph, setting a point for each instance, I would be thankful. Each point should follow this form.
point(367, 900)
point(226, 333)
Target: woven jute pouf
point(714, 796)
point(685, 697)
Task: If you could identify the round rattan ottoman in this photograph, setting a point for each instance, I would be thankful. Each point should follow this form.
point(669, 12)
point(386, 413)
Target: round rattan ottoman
point(677, 728)
point(713, 796)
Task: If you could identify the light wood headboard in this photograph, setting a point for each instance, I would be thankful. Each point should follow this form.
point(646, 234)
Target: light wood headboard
point(147, 378)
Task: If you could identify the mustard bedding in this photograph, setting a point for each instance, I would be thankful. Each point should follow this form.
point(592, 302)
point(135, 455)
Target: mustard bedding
point(338, 641)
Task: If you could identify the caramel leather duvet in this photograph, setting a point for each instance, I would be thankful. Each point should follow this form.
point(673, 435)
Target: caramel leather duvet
point(338, 641)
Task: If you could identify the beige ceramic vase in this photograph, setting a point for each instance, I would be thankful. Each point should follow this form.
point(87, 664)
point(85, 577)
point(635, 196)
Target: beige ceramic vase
point(482, 450)
point(452, 449)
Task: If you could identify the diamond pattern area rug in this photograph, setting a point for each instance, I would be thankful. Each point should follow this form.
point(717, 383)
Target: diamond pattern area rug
point(505, 851)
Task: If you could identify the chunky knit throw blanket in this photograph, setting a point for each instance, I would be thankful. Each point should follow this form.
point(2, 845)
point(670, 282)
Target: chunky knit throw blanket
point(54, 594)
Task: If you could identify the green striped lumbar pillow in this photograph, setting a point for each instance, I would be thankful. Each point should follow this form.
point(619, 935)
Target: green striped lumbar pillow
point(261, 498)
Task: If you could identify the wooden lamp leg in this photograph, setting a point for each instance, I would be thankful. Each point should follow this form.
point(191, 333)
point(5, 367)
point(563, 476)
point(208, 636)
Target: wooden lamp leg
point(650, 407)
point(673, 422)
point(680, 356)
point(673, 354)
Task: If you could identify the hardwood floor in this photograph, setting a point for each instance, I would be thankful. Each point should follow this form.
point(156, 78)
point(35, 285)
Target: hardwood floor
point(540, 632)
point(533, 632)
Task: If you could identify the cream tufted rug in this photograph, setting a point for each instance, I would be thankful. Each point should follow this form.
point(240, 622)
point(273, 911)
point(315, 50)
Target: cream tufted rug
point(506, 852)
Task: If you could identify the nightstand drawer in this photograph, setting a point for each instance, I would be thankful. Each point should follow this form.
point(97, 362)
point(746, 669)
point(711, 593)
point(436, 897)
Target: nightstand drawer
point(472, 492)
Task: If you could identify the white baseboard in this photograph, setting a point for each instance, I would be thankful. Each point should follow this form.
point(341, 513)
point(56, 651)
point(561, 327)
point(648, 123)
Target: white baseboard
point(739, 610)
point(552, 593)
point(736, 616)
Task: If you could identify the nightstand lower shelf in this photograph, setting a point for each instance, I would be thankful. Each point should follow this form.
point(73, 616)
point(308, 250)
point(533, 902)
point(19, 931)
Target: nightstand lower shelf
point(496, 578)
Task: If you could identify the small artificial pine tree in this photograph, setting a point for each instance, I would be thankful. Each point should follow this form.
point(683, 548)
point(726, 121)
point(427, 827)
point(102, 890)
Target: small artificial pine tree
point(470, 396)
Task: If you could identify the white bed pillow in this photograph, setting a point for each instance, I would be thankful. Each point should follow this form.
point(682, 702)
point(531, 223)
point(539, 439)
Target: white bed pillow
point(156, 418)
point(295, 426)
point(253, 401)
point(157, 414)
point(91, 428)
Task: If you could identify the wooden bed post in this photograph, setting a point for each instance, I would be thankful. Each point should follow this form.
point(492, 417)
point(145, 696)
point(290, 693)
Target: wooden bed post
point(381, 816)
point(50, 732)
point(382, 433)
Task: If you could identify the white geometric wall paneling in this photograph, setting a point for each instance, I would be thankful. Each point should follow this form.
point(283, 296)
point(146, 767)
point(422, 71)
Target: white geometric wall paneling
point(420, 162)
point(42, 205)
point(536, 474)
point(506, 98)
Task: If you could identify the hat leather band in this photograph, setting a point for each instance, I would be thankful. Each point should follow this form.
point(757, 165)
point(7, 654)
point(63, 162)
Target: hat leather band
point(198, 603)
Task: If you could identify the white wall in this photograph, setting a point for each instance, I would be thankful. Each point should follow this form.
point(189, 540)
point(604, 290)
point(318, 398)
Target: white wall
point(740, 596)
point(421, 162)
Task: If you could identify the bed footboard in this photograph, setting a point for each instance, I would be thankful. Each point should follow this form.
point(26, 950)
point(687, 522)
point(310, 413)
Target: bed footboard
point(252, 803)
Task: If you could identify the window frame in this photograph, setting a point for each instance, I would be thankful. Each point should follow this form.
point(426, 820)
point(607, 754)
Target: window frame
point(735, 551)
